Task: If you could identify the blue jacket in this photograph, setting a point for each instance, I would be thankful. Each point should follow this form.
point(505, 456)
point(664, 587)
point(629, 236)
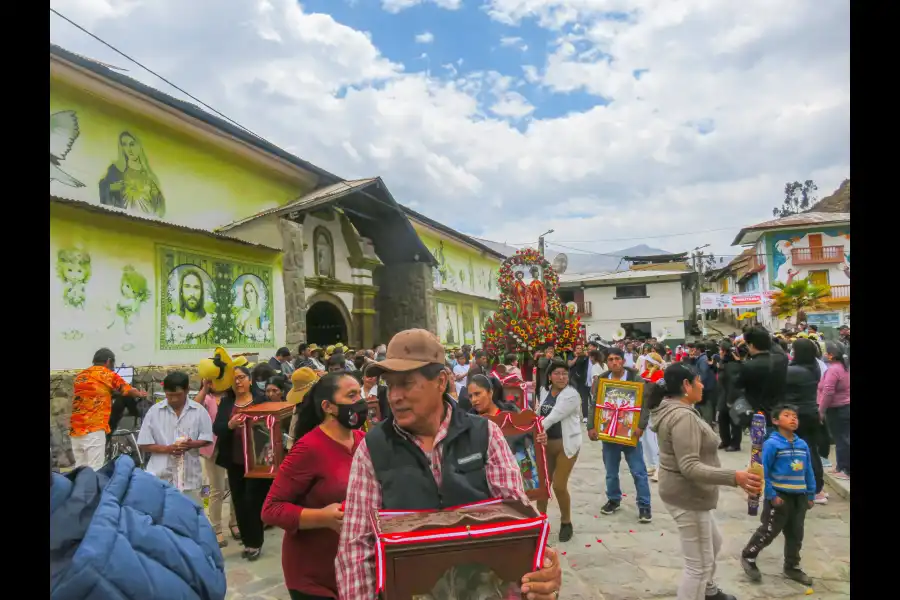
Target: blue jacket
point(787, 466)
point(120, 533)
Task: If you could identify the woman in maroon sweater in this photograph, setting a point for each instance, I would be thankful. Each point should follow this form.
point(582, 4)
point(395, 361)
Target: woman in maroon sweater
point(306, 496)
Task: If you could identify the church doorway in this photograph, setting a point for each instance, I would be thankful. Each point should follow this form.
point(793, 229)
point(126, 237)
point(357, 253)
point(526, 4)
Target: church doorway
point(325, 324)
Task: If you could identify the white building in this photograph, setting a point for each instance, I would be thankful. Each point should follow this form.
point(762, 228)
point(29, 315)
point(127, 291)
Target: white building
point(645, 303)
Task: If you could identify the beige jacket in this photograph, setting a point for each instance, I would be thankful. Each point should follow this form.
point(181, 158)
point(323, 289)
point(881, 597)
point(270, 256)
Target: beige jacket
point(689, 469)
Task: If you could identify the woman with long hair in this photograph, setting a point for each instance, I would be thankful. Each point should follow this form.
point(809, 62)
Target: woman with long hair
point(653, 373)
point(130, 183)
point(486, 396)
point(247, 494)
point(311, 484)
point(834, 406)
point(690, 473)
point(560, 409)
point(801, 390)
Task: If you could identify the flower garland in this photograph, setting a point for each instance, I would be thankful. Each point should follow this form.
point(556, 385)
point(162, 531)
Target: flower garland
point(509, 330)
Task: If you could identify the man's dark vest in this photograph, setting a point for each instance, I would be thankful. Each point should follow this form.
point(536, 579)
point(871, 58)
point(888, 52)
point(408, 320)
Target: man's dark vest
point(405, 473)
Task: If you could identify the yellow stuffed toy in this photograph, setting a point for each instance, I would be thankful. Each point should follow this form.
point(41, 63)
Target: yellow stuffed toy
point(220, 369)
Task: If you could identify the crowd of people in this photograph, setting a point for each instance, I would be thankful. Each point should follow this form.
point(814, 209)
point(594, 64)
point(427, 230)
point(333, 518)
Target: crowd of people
point(387, 427)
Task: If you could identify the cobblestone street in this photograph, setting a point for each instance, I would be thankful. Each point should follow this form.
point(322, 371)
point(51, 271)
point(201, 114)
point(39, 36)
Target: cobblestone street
point(616, 558)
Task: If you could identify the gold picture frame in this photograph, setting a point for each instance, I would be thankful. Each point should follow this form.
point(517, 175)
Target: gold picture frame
point(618, 411)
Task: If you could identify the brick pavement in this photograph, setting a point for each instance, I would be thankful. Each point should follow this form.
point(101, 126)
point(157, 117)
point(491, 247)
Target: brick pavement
point(634, 561)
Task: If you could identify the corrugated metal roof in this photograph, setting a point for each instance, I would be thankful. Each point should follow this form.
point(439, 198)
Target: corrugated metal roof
point(621, 276)
point(120, 214)
point(309, 201)
point(798, 220)
point(498, 247)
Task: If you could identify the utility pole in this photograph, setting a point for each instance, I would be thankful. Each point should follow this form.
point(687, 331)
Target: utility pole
point(696, 256)
point(541, 242)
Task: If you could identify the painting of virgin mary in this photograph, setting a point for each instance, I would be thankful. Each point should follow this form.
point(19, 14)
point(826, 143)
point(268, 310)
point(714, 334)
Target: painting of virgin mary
point(130, 182)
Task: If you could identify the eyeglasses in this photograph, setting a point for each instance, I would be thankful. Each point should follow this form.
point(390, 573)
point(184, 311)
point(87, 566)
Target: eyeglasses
point(240, 379)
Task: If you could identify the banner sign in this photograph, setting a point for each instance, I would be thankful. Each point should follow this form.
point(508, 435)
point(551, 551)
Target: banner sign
point(710, 301)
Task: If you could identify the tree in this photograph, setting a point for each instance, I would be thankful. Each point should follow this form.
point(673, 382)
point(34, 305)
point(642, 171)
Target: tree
point(797, 198)
point(798, 297)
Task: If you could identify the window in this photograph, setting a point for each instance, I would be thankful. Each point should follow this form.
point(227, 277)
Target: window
point(631, 291)
point(818, 277)
point(637, 330)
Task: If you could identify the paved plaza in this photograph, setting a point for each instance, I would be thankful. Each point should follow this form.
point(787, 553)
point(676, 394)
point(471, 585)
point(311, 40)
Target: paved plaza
point(617, 558)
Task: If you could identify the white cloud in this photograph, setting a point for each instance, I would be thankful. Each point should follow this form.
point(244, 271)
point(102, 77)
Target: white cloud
point(395, 6)
point(514, 42)
point(512, 105)
point(426, 37)
point(769, 82)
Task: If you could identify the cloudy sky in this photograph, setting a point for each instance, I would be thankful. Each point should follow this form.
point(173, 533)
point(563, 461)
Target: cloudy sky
point(614, 122)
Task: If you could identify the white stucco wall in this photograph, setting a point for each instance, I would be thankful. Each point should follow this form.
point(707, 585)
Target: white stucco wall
point(663, 308)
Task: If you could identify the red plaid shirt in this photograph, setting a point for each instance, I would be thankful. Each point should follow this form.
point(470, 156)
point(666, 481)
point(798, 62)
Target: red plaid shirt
point(355, 564)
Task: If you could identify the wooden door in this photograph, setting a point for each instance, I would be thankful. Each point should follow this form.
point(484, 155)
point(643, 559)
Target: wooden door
point(815, 240)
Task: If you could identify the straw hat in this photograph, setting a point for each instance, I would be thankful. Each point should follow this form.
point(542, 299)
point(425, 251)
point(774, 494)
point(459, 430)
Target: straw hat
point(302, 379)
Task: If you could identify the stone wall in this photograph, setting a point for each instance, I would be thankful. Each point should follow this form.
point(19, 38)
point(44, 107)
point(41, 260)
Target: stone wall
point(405, 298)
point(61, 383)
point(294, 283)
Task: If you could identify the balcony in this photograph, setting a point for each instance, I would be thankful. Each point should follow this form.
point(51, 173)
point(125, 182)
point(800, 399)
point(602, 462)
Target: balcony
point(583, 309)
point(838, 293)
point(818, 255)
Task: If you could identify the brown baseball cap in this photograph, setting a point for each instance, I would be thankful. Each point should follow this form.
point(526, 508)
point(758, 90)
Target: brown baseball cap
point(409, 350)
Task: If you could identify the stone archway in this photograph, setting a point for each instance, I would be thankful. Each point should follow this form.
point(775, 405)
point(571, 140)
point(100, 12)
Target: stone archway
point(328, 320)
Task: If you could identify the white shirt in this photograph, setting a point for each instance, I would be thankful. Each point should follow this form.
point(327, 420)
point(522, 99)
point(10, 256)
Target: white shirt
point(629, 360)
point(597, 369)
point(460, 370)
point(162, 426)
point(640, 363)
point(822, 368)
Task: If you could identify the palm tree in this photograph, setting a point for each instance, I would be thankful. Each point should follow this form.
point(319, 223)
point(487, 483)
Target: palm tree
point(798, 297)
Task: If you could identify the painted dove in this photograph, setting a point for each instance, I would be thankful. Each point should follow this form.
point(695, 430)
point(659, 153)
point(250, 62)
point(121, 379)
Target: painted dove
point(63, 133)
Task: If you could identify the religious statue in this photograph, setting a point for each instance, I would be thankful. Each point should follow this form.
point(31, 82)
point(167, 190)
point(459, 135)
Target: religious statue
point(520, 294)
point(537, 295)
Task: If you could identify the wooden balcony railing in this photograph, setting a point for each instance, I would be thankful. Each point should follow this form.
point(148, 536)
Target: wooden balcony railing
point(584, 309)
point(839, 293)
point(818, 255)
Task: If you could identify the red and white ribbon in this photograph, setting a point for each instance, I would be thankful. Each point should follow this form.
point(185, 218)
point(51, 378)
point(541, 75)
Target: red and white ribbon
point(270, 423)
point(455, 533)
point(539, 427)
point(616, 409)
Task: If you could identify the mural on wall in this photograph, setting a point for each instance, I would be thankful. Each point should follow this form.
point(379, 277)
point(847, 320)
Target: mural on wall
point(135, 292)
point(211, 301)
point(102, 155)
point(781, 244)
point(462, 271)
point(448, 323)
point(130, 183)
point(468, 324)
point(63, 133)
point(73, 267)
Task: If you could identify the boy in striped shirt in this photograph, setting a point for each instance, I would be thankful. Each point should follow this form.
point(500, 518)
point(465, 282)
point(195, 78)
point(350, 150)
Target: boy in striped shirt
point(790, 488)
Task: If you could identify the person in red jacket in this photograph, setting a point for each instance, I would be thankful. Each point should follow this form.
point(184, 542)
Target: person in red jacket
point(311, 484)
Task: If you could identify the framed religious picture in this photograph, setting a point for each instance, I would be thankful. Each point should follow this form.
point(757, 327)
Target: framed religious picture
point(373, 415)
point(263, 431)
point(476, 552)
point(618, 411)
point(520, 430)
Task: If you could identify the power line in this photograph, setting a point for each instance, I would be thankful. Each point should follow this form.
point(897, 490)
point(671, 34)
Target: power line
point(549, 243)
point(154, 73)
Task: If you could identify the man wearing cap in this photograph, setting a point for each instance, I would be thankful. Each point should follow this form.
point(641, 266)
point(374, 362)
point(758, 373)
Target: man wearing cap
point(425, 455)
point(612, 452)
point(301, 381)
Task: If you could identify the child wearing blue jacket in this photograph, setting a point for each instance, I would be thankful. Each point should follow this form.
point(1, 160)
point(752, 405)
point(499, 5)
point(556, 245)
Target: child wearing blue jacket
point(790, 488)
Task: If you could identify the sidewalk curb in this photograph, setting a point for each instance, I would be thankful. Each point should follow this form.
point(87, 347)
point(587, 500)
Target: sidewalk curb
point(840, 487)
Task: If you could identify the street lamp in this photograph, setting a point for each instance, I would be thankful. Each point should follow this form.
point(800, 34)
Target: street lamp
point(541, 241)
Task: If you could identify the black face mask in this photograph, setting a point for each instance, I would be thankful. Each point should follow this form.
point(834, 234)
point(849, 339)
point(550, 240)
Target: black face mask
point(352, 416)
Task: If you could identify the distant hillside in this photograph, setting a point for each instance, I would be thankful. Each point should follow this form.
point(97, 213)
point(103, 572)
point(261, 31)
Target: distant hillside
point(838, 202)
point(586, 263)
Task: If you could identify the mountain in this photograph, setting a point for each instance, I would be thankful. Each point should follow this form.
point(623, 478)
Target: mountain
point(838, 202)
point(586, 263)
